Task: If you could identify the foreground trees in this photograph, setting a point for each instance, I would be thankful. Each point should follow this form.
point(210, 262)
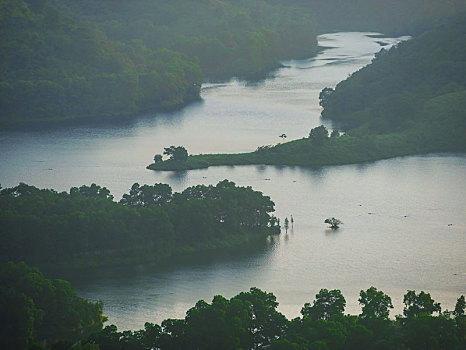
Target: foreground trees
point(36, 309)
point(250, 320)
point(46, 312)
point(375, 304)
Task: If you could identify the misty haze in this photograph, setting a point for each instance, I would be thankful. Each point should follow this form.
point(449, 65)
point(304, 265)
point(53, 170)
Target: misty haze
point(261, 174)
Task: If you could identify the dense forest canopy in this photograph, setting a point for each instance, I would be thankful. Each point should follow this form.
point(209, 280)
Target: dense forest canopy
point(53, 67)
point(150, 223)
point(395, 17)
point(39, 310)
point(65, 60)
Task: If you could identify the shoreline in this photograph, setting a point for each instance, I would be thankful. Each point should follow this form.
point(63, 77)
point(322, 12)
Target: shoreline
point(215, 247)
point(342, 150)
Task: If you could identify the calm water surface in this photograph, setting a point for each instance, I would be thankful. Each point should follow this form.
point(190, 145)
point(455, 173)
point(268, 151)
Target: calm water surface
point(404, 222)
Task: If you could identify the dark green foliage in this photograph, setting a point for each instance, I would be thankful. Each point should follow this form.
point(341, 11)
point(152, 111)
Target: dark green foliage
point(146, 195)
point(246, 321)
point(318, 135)
point(86, 227)
point(460, 307)
point(425, 332)
point(55, 68)
point(176, 153)
point(94, 191)
point(395, 92)
point(396, 17)
point(36, 309)
point(326, 305)
point(375, 304)
point(419, 304)
point(324, 96)
point(228, 38)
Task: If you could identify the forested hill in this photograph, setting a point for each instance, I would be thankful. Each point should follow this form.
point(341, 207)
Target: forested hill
point(229, 37)
point(62, 60)
point(391, 17)
point(54, 68)
point(419, 86)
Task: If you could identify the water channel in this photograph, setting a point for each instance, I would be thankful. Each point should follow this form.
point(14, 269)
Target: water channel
point(404, 222)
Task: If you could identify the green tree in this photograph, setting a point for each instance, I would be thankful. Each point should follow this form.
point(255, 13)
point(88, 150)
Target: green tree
point(286, 225)
point(326, 304)
point(333, 222)
point(460, 307)
point(178, 153)
point(375, 304)
point(146, 195)
point(158, 158)
point(419, 304)
point(44, 310)
point(318, 135)
point(324, 96)
point(265, 322)
point(93, 191)
point(425, 332)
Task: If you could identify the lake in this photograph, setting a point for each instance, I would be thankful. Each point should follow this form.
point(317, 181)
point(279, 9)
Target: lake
point(404, 222)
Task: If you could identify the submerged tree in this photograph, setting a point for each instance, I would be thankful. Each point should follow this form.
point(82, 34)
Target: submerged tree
point(333, 222)
point(286, 225)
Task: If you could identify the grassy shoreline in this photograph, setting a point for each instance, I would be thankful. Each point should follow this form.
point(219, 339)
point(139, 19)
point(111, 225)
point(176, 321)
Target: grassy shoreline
point(333, 151)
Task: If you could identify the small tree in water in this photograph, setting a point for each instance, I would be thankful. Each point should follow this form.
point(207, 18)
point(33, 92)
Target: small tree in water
point(287, 225)
point(333, 222)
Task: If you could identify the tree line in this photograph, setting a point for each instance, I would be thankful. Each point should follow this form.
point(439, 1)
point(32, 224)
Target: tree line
point(39, 313)
point(86, 227)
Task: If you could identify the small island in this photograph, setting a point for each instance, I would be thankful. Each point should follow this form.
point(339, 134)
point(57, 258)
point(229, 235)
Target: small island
point(87, 228)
